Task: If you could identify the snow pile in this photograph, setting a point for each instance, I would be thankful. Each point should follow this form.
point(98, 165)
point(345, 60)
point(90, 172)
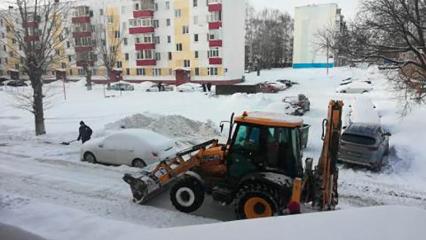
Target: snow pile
point(175, 126)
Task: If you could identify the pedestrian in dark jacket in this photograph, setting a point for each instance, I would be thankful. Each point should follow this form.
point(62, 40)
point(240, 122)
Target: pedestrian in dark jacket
point(85, 132)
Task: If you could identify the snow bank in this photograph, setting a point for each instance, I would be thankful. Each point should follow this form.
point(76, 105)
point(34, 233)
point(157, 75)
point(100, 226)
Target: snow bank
point(173, 125)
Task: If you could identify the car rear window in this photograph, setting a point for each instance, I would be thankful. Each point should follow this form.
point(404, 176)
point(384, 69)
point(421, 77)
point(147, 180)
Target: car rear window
point(357, 139)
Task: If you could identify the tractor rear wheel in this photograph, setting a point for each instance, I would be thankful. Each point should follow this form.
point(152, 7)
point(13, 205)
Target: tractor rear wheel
point(256, 201)
point(187, 195)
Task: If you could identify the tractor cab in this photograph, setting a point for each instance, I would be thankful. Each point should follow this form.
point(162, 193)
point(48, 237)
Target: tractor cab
point(267, 142)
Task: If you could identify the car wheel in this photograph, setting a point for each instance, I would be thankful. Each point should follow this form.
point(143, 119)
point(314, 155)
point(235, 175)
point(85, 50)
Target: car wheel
point(138, 163)
point(89, 157)
point(344, 91)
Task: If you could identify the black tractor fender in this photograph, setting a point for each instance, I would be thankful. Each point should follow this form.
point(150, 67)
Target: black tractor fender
point(196, 176)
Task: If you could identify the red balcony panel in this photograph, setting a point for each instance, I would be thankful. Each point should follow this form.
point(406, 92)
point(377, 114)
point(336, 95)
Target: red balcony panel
point(83, 63)
point(215, 61)
point(215, 7)
point(81, 34)
point(33, 38)
point(30, 25)
point(215, 25)
point(83, 19)
point(137, 30)
point(144, 46)
point(143, 13)
point(215, 43)
point(83, 49)
point(146, 62)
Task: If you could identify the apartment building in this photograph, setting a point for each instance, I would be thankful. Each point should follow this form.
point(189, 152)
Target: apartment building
point(308, 22)
point(159, 40)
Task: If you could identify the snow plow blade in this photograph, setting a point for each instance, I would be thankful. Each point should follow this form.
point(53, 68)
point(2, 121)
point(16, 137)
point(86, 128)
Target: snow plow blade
point(143, 187)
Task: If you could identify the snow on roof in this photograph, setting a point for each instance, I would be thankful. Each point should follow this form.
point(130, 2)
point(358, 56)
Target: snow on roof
point(147, 136)
point(271, 119)
point(363, 110)
point(182, 68)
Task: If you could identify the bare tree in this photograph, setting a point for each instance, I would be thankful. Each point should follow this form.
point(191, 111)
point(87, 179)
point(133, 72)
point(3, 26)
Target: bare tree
point(393, 31)
point(38, 33)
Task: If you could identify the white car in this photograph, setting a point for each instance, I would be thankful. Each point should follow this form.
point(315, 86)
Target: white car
point(362, 110)
point(189, 87)
point(355, 87)
point(132, 147)
point(278, 85)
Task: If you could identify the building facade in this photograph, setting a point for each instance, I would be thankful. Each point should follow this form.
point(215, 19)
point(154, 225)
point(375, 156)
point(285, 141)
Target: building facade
point(308, 22)
point(158, 40)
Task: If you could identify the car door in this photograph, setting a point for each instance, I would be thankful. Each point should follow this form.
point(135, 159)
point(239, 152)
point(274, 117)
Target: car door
point(125, 152)
point(106, 151)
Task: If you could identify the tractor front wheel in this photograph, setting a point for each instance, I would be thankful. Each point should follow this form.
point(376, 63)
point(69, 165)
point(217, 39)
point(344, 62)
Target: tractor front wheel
point(256, 201)
point(187, 195)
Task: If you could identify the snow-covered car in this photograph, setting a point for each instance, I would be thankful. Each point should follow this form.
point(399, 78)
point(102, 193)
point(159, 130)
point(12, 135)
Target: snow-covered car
point(121, 87)
point(365, 145)
point(278, 85)
point(16, 83)
point(190, 87)
point(362, 110)
point(131, 147)
point(300, 104)
point(287, 82)
point(267, 88)
point(154, 88)
point(355, 87)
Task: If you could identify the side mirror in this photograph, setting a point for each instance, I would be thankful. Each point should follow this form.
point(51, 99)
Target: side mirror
point(221, 127)
point(387, 134)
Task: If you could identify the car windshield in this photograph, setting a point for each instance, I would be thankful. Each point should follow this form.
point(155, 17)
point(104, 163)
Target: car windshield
point(358, 139)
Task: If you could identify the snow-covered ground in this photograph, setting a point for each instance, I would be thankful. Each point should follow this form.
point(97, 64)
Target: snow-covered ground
point(45, 189)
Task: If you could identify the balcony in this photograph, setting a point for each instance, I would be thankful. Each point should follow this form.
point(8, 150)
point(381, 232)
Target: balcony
point(33, 38)
point(215, 61)
point(215, 43)
point(143, 13)
point(215, 7)
point(144, 46)
point(81, 34)
point(215, 25)
point(146, 62)
point(80, 49)
point(83, 63)
point(82, 19)
point(138, 30)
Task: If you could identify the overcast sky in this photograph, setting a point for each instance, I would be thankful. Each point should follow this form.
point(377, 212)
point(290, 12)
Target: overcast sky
point(349, 7)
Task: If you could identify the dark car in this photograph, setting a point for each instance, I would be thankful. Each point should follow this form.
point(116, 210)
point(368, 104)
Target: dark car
point(17, 83)
point(121, 87)
point(364, 145)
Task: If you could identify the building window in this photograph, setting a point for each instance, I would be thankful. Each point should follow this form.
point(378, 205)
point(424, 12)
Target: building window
point(156, 72)
point(119, 64)
point(195, 3)
point(178, 13)
point(169, 39)
point(69, 58)
point(195, 37)
point(101, 12)
point(186, 63)
point(80, 71)
point(170, 56)
point(127, 71)
point(156, 6)
point(140, 71)
point(136, 6)
point(156, 23)
point(185, 29)
point(70, 71)
point(158, 56)
point(212, 71)
point(63, 65)
point(167, 5)
point(196, 54)
point(179, 47)
point(68, 44)
point(168, 22)
point(110, 19)
point(213, 52)
point(117, 34)
point(94, 71)
point(157, 40)
point(126, 56)
point(197, 71)
point(125, 41)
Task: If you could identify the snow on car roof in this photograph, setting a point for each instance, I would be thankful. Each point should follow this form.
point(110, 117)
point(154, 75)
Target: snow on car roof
point(270, 119)
point(147, 136)
point(363, 111)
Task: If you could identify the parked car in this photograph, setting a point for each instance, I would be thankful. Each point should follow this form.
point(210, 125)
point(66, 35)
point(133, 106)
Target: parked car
point(16, 83)
point(365, 145)
point(299, 103)
point(121, 87)
point(132, 147)
point(3, 79)
point(190, 87)
point(278, 85)
point(267, 88)
point(154, 88)
point(362, 110)
point(355, 87)
point(350, 80)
